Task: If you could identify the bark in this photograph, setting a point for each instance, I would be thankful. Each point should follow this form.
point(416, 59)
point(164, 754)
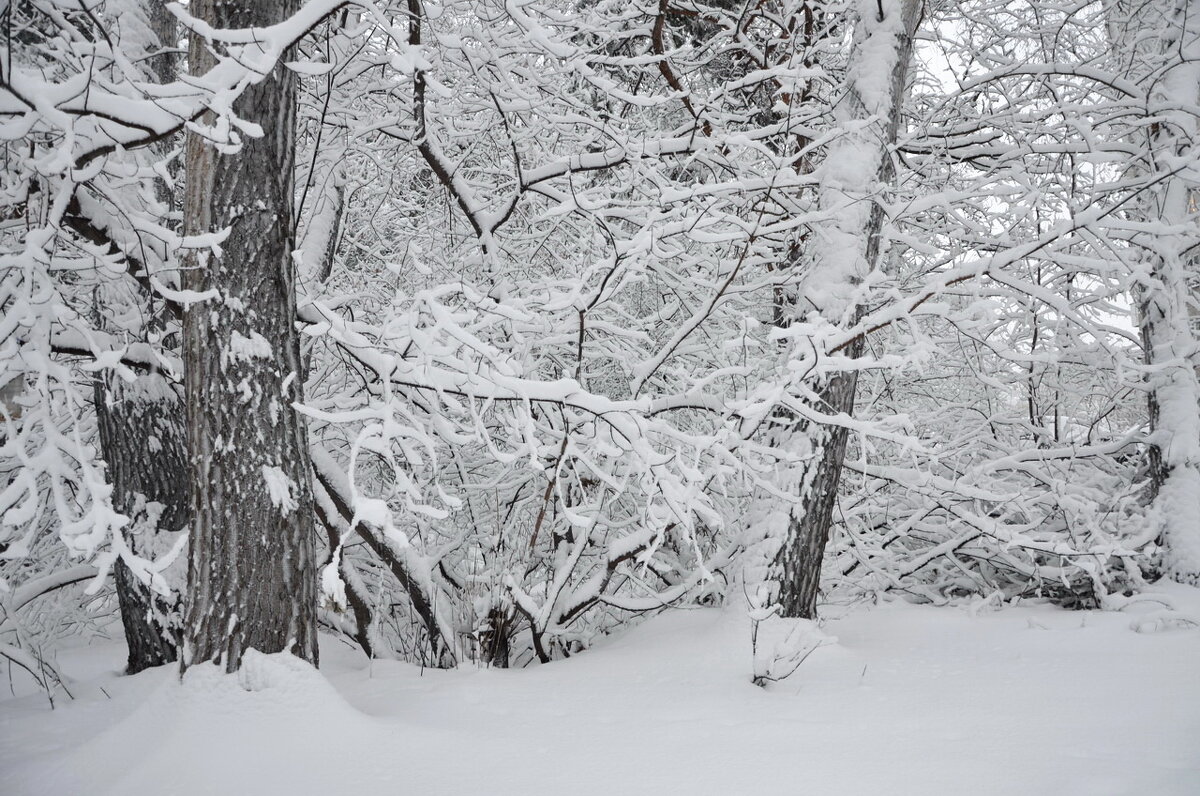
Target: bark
point(252, 579)
point(1159, 44)
point(164, 63)
point(142, 434)
point(849, 249)
point(799, 560)
point(142, 440)
point(495, 636)
point(1168, 323)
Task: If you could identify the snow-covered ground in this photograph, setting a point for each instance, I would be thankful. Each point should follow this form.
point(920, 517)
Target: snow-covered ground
point(909, 700)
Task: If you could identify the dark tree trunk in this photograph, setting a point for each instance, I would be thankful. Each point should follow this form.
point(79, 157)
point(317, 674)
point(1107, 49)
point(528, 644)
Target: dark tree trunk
point(142, 440)
point(144, 445)
point(495, 637)
point(798, 562)
point(251, 571)
point(151, 634)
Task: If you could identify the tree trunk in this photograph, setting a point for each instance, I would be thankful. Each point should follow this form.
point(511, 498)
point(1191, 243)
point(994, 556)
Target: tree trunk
point(141, 429)
point(845, 252)
point(799, 560)
point(251, 570)
point(1157, 43)
point(142, 440)
point(495, 635)
point(1168, 302)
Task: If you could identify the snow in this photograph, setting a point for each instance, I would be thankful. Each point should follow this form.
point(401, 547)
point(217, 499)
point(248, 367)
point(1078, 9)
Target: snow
point(1169, 322)
point(242, 348)
point(907, 700)
point(280, 488)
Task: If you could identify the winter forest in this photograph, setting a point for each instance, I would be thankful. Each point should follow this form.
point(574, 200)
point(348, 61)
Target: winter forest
point(600, 396)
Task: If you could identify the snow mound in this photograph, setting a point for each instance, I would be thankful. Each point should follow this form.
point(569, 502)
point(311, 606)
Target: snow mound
point(276, 726)
point(781, 645)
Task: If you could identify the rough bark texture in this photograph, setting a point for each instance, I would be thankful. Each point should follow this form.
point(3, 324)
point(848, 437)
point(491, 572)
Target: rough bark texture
point(141, 425)
point(251, 571)
point(142, 439)
point(798, 562)
point(1157, 44)
point(495, 637)
point(165, 61)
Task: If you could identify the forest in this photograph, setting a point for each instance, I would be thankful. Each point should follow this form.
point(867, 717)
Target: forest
point(354, 351)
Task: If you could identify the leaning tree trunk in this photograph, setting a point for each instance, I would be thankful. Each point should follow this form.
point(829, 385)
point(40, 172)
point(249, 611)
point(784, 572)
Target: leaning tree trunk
point(252, 573)
point(845, 252)
point(142, 439)
point(799, 559)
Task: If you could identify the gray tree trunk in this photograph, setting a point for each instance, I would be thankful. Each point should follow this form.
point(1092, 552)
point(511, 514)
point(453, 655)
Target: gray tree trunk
point(799, 559)
point(1157, 44)
point(251, 571)
point(1168, 300)
point(142, 439)
point(798, 562)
